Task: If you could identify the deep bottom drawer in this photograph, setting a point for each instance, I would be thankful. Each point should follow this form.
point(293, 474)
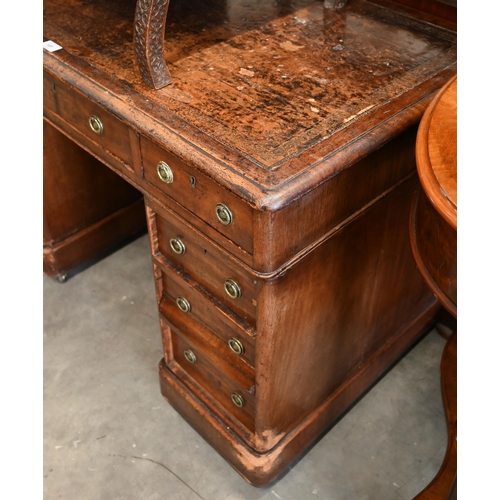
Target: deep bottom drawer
point(237, 400)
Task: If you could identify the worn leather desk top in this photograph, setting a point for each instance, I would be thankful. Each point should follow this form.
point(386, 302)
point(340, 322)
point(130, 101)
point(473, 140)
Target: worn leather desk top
point(265, 92)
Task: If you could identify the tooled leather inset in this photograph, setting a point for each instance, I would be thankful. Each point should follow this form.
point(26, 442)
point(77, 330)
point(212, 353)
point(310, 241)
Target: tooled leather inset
point(149, 29)
point(264, 83)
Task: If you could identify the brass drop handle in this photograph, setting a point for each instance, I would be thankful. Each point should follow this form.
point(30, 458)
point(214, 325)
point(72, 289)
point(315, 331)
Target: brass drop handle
point(177, 245)
point(183, 304)
point(236, 346)
point(238, 400)
point(96, 124)
point(224, 214)
point(190, 356)
point(232, 288)
point(165, 172)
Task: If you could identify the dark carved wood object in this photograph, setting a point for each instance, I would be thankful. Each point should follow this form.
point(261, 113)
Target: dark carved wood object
point(149, 31)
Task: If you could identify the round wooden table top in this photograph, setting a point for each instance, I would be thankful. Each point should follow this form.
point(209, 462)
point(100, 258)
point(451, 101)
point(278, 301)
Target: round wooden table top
point(436, 152)
point(433, 224)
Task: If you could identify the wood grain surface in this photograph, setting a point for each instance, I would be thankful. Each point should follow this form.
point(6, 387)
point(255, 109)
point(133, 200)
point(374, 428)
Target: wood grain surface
point(437, 153)
point(87, 208)
point(433, 233)
point(302, 119)
point(433, 225)
point(444, 485)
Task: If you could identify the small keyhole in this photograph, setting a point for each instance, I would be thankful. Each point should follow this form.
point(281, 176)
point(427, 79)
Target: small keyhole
point(192, 181)
point(204, 252)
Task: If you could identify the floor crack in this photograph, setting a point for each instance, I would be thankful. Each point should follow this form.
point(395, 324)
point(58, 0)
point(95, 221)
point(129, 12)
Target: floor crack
point(162, 465)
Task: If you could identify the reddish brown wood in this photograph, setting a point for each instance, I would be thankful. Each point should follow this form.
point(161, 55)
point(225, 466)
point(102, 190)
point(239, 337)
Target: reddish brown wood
point(433, 232)
point(441, 12)
point(434, 245)
point(333, 311)
point(88, 209)
point(196, 406)
point(312, 149)
point(378, 233)
point(149, 30)
point(204, 262)
point(199, 194)
point(446, 324)
point(250, 129)
point(433, 226)
point(216, 375)
point(332, 203)
point(436, 152)
point(219, 319)
point(73, 107)
point(444, 485)
point(445, 9)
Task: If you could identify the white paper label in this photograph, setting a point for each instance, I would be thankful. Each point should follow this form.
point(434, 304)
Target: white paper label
point(51, 46)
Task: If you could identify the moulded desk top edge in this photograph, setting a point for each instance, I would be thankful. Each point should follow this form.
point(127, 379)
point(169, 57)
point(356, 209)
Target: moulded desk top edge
point(312, 156)
point(263, 190)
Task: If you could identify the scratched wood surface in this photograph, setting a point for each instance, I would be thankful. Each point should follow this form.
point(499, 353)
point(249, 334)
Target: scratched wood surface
point(266, 79)
point(307, 118)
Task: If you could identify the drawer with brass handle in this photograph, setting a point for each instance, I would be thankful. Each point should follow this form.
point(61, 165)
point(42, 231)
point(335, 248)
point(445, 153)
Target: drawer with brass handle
point(89, 118)
point(215, 348)
point(179, 298)
point(189, 250)
point(209, 201)
point(237, 400)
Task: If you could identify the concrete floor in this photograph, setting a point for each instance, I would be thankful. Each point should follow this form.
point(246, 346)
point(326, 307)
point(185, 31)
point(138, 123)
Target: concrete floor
point(109, 434)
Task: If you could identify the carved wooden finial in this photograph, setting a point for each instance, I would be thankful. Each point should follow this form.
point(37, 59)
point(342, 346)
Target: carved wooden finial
point(149, 30)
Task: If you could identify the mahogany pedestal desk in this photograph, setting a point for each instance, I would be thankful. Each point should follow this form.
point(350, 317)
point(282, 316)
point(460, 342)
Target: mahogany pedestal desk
point(433, 232)
point(278, 170)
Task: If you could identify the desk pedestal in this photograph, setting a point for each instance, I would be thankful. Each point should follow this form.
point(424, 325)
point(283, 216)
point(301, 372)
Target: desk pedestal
point(88, 209)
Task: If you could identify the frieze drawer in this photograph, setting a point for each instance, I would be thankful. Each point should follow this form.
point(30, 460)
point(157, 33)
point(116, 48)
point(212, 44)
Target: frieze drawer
point(209, 201)
point(88, 118)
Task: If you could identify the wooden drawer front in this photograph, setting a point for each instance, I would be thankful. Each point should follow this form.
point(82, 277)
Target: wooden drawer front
point(207, 373)
point(207, 265)
point(201, 309)
point(235, 367)
point(200, 196)
point(76, 109)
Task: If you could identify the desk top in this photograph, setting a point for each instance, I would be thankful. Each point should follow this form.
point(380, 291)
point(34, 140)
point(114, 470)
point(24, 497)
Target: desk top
point(266, 98)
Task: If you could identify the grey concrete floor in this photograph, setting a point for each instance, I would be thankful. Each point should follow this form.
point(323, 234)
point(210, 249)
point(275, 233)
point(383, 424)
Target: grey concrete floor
point(109, 434)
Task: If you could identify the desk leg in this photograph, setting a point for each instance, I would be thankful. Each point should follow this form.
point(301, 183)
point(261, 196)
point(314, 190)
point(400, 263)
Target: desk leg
point(149, 30)
point(444, 485)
